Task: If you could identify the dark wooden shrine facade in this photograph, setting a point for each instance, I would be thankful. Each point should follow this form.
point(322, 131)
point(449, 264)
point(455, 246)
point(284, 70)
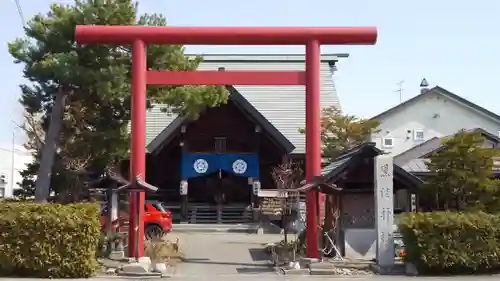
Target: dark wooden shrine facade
point(228, 128)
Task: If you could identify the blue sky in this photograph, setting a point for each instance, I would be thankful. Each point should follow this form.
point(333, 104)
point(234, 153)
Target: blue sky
point(454, 44)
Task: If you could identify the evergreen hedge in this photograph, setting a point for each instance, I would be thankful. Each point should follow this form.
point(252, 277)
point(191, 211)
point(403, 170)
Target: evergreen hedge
point(451, 242)
point(48, 240)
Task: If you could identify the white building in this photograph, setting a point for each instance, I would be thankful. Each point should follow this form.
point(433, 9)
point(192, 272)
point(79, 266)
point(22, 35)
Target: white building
point(434, 113)
point(13, 159)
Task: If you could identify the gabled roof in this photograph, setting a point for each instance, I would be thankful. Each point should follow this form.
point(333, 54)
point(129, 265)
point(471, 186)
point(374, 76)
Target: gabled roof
point(350, 159)
point(418, 151)
point(166, 135)
point(244, 106)
point(416, 166)
point(445, 93)
point(441, 146)
point(431, 146)
point(415, 159)
point(282, 106)
point(419, 167)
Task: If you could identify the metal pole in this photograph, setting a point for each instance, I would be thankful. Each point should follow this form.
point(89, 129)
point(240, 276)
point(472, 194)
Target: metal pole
point(12, 161)
point(138, 147)
point(313, 141)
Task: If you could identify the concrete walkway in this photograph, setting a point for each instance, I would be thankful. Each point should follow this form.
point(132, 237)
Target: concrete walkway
point(219, 254)
point(239, 257)
point(321, 278)
point(278, 278)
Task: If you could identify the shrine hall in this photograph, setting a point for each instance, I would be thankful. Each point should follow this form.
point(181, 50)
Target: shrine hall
point(208, 169)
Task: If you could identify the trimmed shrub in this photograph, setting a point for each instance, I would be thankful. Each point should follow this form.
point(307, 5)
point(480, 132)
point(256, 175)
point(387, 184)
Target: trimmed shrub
point(48, 240)
point(451, 242)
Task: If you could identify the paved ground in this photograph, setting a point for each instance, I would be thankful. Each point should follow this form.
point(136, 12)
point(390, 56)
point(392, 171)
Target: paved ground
point(370, 278)
point(235, 257)
point(219, 254)
point(280, 278)
point(320, 278)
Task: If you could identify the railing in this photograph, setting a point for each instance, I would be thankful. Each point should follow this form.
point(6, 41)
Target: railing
point(225, 214)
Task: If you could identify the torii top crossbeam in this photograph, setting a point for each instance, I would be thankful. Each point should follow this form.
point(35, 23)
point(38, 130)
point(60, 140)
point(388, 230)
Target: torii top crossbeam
point(176, 35)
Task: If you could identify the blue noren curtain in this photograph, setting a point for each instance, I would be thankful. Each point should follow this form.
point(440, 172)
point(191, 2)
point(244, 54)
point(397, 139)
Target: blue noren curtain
point(201, 164)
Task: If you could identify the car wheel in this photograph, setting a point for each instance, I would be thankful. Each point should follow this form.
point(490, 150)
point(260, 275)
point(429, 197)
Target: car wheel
point(153, 231)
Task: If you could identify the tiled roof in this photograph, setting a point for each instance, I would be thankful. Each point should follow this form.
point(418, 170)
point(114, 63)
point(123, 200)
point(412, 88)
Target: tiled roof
point(418, 165)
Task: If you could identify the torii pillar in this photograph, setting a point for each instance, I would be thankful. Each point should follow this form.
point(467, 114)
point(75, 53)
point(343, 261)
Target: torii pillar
point(141, 36)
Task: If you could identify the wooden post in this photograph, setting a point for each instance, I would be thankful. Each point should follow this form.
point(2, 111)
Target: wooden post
point(329, 209)
point(183, 189)
point(339, 227)
point(112, 206)
point(115, 207)
point(109, 213)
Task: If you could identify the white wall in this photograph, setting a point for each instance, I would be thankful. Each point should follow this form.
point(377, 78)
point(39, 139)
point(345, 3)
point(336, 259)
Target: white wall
point(436, 115)
point(21, 159)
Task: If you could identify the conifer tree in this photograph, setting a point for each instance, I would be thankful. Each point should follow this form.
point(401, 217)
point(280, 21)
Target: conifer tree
point(462, 174)
point(90, 85)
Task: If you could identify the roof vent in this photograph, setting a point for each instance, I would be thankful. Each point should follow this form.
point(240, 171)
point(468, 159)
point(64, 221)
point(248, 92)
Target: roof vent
point(424, 86)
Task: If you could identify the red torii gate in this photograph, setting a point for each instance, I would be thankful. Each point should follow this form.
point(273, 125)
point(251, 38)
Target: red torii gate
point(140, 36)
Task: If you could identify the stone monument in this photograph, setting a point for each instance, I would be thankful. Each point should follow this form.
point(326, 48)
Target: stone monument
point(384, 210)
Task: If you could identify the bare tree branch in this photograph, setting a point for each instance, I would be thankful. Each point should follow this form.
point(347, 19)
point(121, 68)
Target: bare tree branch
point(287, 176)
point(32, 126)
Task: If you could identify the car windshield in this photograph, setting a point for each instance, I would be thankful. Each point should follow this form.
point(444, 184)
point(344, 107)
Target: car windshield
point(159, 207)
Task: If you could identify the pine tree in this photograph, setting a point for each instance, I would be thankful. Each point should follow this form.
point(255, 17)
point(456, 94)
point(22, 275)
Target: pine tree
point(462, 172)
point(95, 82)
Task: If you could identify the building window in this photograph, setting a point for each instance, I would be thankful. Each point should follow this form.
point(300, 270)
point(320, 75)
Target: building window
point(220, 144)
point(2, 192)
point(3, 179)
point(418, 135)
point(387, 142)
